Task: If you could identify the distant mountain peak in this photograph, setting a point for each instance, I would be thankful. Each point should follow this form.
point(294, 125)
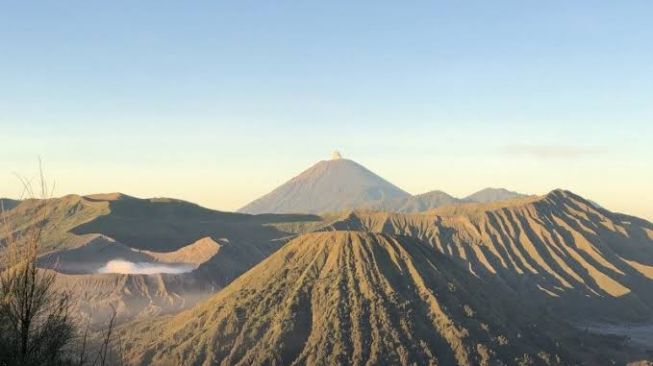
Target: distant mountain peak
point(329, 185)
point(340, 184)
point(435, 192)
point(487, 195)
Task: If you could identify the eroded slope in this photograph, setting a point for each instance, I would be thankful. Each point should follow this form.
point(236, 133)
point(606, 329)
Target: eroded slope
point(559, 247)
point(354, 298)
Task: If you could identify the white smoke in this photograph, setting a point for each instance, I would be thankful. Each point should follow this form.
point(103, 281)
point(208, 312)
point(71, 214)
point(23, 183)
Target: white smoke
point(127, 267)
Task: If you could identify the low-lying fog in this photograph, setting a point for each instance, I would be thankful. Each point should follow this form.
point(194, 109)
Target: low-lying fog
point(127, 267)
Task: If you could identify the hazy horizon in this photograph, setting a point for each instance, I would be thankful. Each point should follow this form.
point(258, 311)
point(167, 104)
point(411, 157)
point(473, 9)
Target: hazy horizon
point(214, 204)
point(164, 99)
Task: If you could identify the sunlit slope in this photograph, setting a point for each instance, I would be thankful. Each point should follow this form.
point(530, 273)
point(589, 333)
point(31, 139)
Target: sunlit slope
point(56, 218)
point(195, 254)
point(557, 246)
point(352, 298)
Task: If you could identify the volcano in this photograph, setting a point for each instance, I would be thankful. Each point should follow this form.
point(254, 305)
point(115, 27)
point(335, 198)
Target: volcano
point(348, 297)
point(328, 186)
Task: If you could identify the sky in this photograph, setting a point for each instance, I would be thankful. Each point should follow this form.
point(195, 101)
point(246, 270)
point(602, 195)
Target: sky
point(219, 102)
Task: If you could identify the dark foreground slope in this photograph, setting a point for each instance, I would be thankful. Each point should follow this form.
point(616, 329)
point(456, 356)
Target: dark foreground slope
point(355, 298)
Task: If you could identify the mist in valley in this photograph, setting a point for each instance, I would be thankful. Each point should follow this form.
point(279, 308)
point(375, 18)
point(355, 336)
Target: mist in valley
point(126, 267)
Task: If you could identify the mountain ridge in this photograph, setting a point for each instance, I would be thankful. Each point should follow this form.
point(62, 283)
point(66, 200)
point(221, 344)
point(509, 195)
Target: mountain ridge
point(342, 184)
point(559, 248)
point(347, 297)
point(80, 235)
point(489, 194)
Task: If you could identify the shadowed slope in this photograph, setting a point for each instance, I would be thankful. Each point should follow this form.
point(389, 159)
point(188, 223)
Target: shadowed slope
point(164, 224)
point(104, 275)
point(351, 298)
point(90, 257)
point(156, 225)
point(7, 204)
point(160, 225)
point(81, 234)
point(132, 296)
point(327, 186)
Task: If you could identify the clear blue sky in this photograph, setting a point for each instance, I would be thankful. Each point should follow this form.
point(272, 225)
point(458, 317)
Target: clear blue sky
point(218, 102)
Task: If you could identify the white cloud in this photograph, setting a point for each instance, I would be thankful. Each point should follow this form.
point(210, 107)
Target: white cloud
point(127, 267)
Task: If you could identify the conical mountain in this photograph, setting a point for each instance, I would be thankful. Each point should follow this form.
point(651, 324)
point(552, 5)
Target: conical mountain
point(328, 186)
point(354, 298)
